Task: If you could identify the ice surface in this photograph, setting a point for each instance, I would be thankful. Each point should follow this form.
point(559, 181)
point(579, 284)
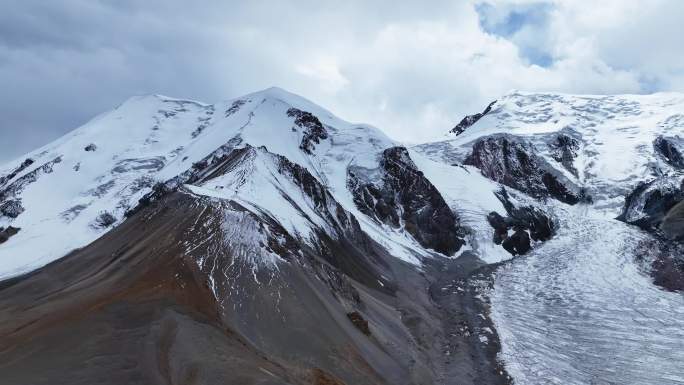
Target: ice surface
point(578, 310)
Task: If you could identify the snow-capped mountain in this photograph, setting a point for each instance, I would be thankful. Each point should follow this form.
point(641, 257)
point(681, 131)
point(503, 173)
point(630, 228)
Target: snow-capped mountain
point(265, 240)
point(70, 192)
point(581, 308)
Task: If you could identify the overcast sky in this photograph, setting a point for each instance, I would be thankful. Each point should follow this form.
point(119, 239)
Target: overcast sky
point(411, 69)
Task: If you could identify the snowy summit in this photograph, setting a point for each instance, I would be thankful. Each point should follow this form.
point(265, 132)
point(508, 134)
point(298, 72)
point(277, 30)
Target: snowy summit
point(266, 240)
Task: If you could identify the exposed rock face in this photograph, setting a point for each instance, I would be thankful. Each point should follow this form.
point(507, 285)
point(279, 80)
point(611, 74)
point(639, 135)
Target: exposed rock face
point(6, 178)
point(658, 207)
point(469, 120)
point(90, 147)
point(324, 202)
point(673, 222)
point(6, 233)
point(518, 243)
point(665, 260)
point(514, 163)
point(313, 130)
point(235, 107)
point(219, 161)
point(13, 187)
point(564, 150)
point(670, 150)
point(11, 208)
point(403, 196)
point(105, 219)
point(173, 278)
point(357, 319)
point(647, 205)
point(528, 224)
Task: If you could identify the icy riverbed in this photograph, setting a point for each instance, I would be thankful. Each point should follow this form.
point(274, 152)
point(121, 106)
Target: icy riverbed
point(578, 310)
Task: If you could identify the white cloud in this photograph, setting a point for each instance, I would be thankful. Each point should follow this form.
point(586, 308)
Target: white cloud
point(325, 71)
point(410, 69)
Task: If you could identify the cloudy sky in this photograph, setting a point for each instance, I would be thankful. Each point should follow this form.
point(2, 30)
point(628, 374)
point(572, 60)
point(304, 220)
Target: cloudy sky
point(412, 69)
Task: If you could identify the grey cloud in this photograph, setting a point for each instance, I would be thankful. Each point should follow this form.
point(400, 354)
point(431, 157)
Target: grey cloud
point(410, 69)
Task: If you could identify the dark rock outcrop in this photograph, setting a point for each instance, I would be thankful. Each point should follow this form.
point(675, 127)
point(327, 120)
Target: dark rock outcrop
point(564, 151)
point(665, 262)
point(219, 161)
point(313, 130)
point(104, 220)
point(670, 150)
point(6, 178)
point(6, 233)
point(649, 202)
point(657, 206)
point(528, 224)
point(235, 107)
point(672, 224)
point(518, 243)
point(11, 208)
point(90, 147)
point(13, 188)
point(357, 319)
point(469, 120)
point(322, 199)
point(514, 163)
point(402, 196)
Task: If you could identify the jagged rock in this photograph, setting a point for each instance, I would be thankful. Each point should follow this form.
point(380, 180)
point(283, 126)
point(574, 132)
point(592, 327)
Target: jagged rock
point(564, 150)
point(357, 319)
point(235, 107)
point(668, 270)
point(670, 150)
point(6, 233)
point(649, 202)
point(213, 164)
point(657, 206)
point(91, 147)
point(673, 223)
point(527, 222)
point(6, 178)
point(11, 208)
point(324, 202)
point(514, 163)
point(203, 121)
point(14, 188)
point(313, 132)
point(469, 120)
point(518, 243)
point(159, 190)
point(665, 260)
point(402, 195)
point(105, 219)
point(500, 225)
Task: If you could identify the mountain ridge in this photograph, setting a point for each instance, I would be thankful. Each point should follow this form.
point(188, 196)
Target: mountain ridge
point(337, 254)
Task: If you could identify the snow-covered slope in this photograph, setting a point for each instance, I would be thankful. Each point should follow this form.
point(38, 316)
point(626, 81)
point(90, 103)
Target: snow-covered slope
point(609, 138)
point(581, 308)
point(341, 217)
point(75, 189)
point(264, 225)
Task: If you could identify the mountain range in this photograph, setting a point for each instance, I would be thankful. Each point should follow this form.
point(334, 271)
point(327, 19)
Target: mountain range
point(263, 240)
